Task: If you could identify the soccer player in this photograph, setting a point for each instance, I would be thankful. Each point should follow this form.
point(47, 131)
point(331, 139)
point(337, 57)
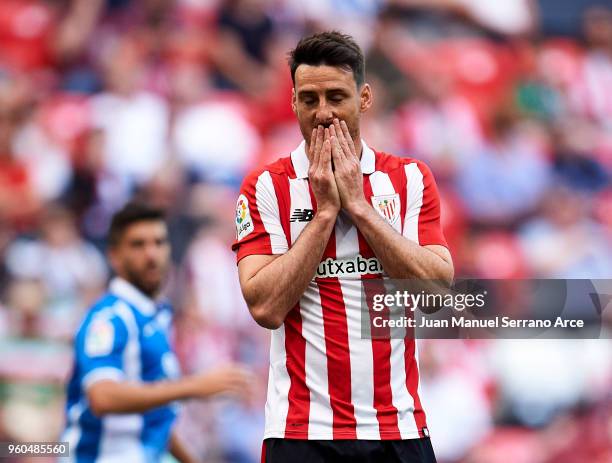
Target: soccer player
point(125, 377)
point(310, 227)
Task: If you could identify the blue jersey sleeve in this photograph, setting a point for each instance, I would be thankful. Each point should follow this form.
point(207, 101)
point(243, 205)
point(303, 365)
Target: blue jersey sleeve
point(100, 349)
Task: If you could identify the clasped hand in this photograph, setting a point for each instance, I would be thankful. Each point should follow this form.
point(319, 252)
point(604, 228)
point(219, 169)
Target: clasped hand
point(335, 169)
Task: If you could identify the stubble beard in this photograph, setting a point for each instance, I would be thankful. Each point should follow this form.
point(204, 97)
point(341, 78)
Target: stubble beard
point(151, 289)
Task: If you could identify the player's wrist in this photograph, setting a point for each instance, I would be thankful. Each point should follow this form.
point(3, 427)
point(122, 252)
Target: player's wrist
point(327, 213)
point(358, 209)
point(188, 388)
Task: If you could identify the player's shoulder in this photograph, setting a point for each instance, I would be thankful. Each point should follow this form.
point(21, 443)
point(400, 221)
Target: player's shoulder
point(108, 308)
point(386, 162)
point(282, 167)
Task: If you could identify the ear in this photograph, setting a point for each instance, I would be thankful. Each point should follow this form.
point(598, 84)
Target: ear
point(365, 98)
point(293, 101)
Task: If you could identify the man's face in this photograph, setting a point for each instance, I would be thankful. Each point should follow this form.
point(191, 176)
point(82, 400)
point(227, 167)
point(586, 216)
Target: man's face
point(142, 255)
point(322, 93)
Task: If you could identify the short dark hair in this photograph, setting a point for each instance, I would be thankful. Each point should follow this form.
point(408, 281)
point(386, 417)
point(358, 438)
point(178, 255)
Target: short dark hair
point(330, 48)
point(131, 213)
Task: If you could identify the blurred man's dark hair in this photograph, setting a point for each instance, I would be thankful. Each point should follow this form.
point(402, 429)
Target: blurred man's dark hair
point(330, 48)
point(131, 213)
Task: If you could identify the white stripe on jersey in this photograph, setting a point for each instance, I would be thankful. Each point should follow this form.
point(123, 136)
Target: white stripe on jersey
point(72, 435)
point(402, 400)
point(121, 433)
point(267, 205)
point(414, 201)
point(120, 440)
point(131, 353)
point(312, 326)
point(277, 403)
point(321, 414)
point(360, 350)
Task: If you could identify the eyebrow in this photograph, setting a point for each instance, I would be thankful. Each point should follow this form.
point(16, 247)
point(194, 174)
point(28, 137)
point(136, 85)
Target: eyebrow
point(305, 93)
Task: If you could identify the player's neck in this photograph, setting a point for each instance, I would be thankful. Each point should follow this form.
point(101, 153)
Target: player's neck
point(358, 147)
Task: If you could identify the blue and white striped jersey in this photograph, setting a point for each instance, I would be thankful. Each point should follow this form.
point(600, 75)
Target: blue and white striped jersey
point(124, 337)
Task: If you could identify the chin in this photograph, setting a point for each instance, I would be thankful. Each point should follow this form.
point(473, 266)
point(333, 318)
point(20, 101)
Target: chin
point(150, 288)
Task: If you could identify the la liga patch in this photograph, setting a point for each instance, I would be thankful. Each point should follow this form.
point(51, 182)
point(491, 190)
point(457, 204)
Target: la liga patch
point(100, 338)
point(244, 222)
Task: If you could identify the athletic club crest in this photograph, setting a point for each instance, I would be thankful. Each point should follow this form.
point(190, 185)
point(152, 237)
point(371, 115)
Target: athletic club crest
point(388, 206)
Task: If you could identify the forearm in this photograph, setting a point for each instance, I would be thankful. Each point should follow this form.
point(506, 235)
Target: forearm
point(400, 257)
point(123, 397)
point(275, 289)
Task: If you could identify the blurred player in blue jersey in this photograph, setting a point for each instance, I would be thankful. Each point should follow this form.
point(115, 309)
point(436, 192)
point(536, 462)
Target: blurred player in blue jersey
point(125, 379)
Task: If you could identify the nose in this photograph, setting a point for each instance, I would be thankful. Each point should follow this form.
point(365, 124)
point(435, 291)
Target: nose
point(324, 115)
point(152, 252)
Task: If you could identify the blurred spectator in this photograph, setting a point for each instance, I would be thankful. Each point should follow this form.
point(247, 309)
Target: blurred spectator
point(490, 183)
point(591, 94)
point(215, 140)
point(243, 35)
point(15, 176)
point(94, 192)
point(539, 379)
point(461, 17)
point(440, 126)
point(455, 393)
point(72, 272)
point(25, 304)
point(47, 161)
point(564, 242)
point(135, 122)
point(25, 27)
point(574, 161)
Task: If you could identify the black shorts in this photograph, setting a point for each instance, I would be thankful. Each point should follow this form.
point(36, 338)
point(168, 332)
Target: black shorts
point(350, 451)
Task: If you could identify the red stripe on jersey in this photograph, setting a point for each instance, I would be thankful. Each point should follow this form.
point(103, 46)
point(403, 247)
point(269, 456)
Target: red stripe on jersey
point(288, 166)
point(298, 412)
point(281, 189)
point(337, 352)
point(386, 413)
point(364, 248)
point(412, 377)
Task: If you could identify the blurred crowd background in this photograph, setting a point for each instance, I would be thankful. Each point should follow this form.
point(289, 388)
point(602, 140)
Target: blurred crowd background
point(509, 102)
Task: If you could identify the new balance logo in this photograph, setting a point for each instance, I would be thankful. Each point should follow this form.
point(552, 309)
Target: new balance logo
point(302, 215)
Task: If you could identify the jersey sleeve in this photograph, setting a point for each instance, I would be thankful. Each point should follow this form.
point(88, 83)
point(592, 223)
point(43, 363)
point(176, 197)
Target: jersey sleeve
point(100, 349)
point(422, 220)
point(258, 224)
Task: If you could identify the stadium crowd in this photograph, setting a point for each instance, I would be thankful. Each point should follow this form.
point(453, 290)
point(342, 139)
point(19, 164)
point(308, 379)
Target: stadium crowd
point(510, 103)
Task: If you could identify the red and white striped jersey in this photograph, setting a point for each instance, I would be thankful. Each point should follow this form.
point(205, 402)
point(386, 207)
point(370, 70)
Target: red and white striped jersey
point(325, 381)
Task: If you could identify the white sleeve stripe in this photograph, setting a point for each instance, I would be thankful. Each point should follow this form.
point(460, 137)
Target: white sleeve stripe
point(267, 206)
point(414, 201)
point(100, 374)
point(131, 353)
